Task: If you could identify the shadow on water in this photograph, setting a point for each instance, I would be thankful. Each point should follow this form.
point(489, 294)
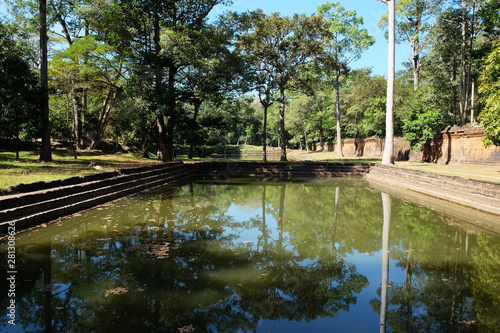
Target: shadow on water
point(280, 256)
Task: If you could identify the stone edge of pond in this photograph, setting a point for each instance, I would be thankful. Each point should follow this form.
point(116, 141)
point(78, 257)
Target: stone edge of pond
point(44, 202)
point(479, 199)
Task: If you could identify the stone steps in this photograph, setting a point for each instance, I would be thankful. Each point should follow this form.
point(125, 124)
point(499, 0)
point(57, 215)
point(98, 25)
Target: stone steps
point(278, 170)
point(42, 202)
point(33, 207)
point(477, 194)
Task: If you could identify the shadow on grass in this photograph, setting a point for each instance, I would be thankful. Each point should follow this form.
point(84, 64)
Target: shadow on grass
point(352, 160)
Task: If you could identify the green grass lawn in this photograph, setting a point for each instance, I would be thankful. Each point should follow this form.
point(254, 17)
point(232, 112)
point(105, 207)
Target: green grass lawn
point(28, 169)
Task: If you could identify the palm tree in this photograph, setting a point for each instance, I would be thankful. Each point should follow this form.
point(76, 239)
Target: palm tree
point(388, 157)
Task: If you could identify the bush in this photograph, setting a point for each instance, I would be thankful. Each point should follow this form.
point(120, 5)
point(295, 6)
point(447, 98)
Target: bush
point(423, 122)
point(489, 88)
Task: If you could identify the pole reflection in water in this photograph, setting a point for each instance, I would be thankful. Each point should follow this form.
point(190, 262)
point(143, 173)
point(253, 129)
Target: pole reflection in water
point(387, 207)
point(257, 257)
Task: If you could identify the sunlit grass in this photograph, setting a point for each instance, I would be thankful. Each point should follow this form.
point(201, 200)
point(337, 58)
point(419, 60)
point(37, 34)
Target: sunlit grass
point(29, 169)
point(470, 171)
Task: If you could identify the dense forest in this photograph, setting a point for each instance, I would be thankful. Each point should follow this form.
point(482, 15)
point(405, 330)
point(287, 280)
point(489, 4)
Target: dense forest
point(167, 73)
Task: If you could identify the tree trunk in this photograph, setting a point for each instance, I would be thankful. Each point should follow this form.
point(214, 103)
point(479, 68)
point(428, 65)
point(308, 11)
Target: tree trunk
point(45, 152)
point(388, 157)
point(470, 80)
point(321, 135)
point(17, 145)
point(162, 136)
point(472, 103)
point(415, 45)
point(282, 124)
point(162, 131)
point(77, 113)
point(337, 114)
point(455, 102)
point(197, 105)
point(172, 103)
point(147, 141)
point(107, 107)
point(463, 64)
point(305, 136)
point(416, 64)
point(170, 139)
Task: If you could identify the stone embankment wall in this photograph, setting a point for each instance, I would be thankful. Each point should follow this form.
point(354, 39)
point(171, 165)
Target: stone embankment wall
point(453, 145)
point(43, 202)
point(481, 196)
point(475, 201)
point(276, 170)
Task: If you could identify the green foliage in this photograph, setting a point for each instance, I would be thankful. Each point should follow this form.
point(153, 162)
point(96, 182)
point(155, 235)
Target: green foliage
point(228, 123)
point(19, 94)
point(490, 19)
point(413, 18)
point(279, 48)
point(423, 122)
point(364, 101)
point(490, 90)
point(168, 58)
point(348, 40)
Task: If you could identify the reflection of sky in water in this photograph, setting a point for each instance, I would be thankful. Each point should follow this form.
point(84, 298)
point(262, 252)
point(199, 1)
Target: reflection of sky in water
point(360, 317)
point(245, 213)
point(238, 266)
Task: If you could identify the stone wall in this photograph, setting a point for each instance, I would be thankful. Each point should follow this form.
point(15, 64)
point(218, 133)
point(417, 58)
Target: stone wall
point(453, 145)
point(473, 200)
point(460, 145)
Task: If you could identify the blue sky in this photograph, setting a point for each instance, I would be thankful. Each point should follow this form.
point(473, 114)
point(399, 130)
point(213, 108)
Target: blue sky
point(370, 10)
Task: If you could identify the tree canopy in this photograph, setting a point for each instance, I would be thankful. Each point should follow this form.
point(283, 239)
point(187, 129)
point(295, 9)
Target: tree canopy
point(19, 93)
point(168, 75)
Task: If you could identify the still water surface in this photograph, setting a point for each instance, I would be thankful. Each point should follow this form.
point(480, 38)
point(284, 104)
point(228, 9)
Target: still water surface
point(316, 256)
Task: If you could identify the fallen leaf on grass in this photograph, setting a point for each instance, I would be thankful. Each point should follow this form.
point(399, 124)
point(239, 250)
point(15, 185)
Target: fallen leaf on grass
point(116, 291)
point(188, 328)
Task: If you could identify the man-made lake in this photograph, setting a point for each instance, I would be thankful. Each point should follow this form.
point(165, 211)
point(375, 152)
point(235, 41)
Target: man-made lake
point(317, 256)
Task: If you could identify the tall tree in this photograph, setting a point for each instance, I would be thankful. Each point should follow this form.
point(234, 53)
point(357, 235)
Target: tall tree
point(67, 21)
point(97, 68)
point(365, 99)
point(345, 45)
point(388, 156)
point(470, 27)
point(159, 37)
point(262, 77)
point(490, 91)
point(413, 23)
point(216, 70)
point(19, 91)
point(459, 40)
point(283, 45)
point(45, 152)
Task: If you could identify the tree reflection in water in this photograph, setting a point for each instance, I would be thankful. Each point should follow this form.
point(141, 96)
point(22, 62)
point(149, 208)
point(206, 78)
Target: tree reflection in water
point(227, 258)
